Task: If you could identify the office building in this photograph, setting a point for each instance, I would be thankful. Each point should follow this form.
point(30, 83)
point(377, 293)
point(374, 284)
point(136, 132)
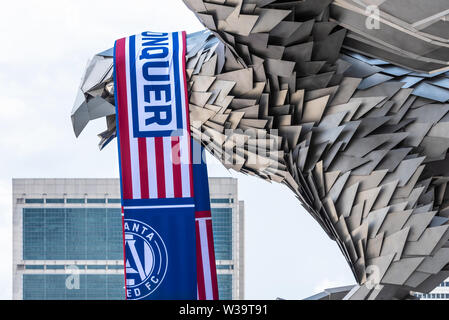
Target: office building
point(228, 226)
point(439, 293)
point(68, 244)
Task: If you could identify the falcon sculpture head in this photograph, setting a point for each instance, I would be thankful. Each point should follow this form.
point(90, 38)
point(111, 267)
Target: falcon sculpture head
point(345, 102)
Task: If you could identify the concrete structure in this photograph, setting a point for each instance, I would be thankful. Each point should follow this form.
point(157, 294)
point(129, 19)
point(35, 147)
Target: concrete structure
point(67, 238)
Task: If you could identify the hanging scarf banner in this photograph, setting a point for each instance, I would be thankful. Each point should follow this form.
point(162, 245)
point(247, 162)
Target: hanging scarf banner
point(157, 175)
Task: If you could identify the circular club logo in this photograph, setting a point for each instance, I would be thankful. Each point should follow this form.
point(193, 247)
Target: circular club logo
point(146, 259)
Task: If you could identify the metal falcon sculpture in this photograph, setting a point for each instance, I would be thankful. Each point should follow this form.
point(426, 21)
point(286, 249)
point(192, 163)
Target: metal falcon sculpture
point(344, 102)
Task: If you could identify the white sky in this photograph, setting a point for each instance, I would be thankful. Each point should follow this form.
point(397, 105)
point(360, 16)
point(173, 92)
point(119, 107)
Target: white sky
point(45, 47)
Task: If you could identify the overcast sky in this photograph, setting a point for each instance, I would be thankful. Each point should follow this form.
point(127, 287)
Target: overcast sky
point(45, 47)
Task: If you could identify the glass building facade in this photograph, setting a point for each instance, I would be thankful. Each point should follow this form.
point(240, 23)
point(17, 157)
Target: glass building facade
point(71, 247)
point(224, 286)
point(222, 227)
point(72, 234)
point(61, 234)
point(228, 228)
point(91, 287)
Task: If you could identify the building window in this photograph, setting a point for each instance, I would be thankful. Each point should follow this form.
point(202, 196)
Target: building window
point(54, 200)
point(72, 200)
point(96, 267)
point(222, 228)
point(34, 267)
point(225, 267)
point(72, 234)
point(55, 267)
point(115, 267)
point(114, 201)
point(96, 200)
point(224, 286)
point(91, 287)
point(221, 200)
point(34, 201)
